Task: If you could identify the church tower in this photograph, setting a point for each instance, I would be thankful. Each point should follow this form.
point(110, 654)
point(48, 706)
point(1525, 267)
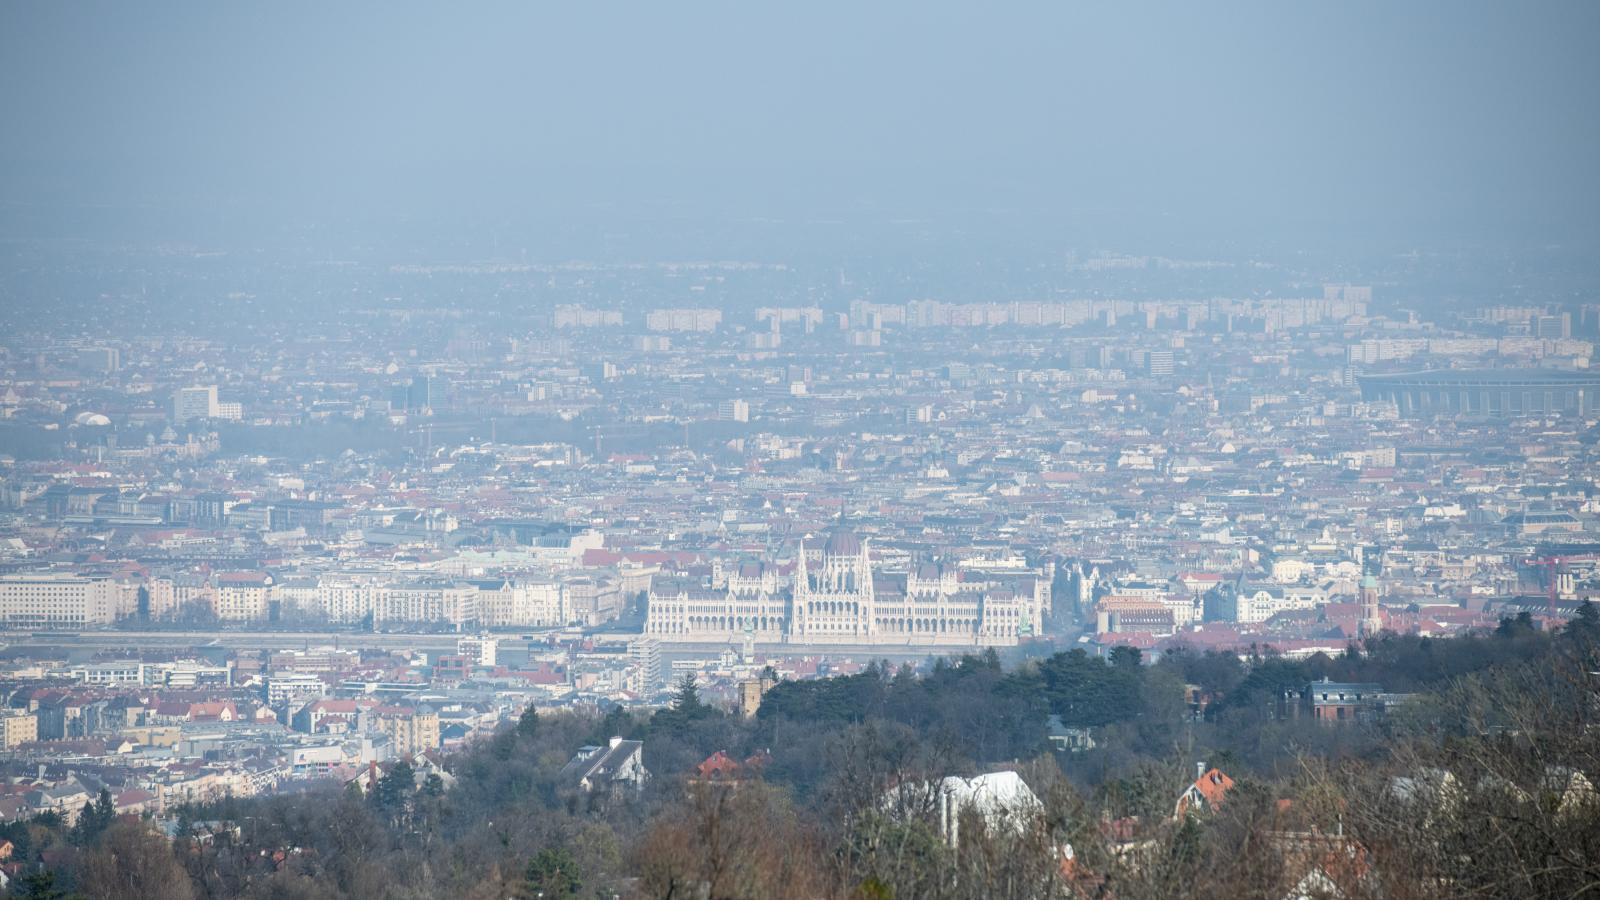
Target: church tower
point(1371, 617)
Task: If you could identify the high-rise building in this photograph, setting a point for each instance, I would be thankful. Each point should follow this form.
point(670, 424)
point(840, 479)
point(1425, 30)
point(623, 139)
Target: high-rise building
point(645, 654)
point(194, 403)
point(734, 411)
point(1553, 327)
point(481, 650)
point(705, 320)
point(425, 393)
point(1158, 363)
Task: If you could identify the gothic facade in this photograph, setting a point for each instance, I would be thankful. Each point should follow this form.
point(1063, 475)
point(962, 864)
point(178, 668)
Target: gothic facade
point(835, 596)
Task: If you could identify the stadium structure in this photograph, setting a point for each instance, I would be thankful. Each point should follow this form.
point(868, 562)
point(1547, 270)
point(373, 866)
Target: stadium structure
point(1487, 392)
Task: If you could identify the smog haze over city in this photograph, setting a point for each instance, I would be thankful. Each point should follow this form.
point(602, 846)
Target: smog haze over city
point(799, 450)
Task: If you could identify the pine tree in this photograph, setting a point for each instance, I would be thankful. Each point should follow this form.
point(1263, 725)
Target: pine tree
point(83, 830)
point(1587, 622)
point(687, 699)
point(95, 817)
point(40, 885)
point(528, 725)
point(1126, 657)
point(105, 810)
point(394, 789)
point(553, 875)
point(616, 722)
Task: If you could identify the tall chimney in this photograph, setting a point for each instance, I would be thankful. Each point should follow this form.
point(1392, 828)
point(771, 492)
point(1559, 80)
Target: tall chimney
point(1199, 770)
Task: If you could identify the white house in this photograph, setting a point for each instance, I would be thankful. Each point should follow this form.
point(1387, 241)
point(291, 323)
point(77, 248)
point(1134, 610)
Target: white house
point(611, 769)
point(1002, 799)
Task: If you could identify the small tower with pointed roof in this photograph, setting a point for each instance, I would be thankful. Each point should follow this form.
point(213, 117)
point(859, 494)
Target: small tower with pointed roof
point(1371, 617)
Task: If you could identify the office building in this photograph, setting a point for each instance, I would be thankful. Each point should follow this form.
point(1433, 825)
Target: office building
point(57, 601)
point(734, 411)
point(194, 403)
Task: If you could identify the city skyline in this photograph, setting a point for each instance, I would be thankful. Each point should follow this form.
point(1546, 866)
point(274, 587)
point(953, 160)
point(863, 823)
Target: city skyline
point(845, 451)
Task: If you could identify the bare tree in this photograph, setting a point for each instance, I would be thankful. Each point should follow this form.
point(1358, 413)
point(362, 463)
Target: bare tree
point(732, 841)
point(132, 862)
point(1489, 791)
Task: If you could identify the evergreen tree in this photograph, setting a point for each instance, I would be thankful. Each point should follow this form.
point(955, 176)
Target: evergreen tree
point(528, 725)
point(39, 885)
point(20, 837)
point(1586, 623)
point(83, 830)
point(1125, 657)
point(95, 817)
point(185, 829)
point(687, 699)
point(616, 722)
point(105, 810)
point(394, 789)
point(553, 875)
point(1509, 627)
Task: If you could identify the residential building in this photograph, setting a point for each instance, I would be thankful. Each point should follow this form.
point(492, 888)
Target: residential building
point(17, 726)
point(1334, 702)
point(612, 770)
point(411, 730)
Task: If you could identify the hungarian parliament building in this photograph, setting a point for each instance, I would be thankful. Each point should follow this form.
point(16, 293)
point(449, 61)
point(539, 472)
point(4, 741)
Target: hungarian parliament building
point(831, 595)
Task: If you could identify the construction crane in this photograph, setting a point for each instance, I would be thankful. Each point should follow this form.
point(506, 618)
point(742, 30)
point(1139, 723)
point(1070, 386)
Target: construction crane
point(1551, 565)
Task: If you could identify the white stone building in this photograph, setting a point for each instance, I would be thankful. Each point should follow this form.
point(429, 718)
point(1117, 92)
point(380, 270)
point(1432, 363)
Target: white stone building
point(835, 596)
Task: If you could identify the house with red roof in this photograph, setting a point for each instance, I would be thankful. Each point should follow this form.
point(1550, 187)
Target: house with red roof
point(720, 768)
point(1205, 794)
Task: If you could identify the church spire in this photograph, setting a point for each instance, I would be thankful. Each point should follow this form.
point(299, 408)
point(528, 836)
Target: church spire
point(801, 583)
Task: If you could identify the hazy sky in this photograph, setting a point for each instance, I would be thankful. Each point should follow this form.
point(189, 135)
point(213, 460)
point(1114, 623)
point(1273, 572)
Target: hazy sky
point(1401, 117)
